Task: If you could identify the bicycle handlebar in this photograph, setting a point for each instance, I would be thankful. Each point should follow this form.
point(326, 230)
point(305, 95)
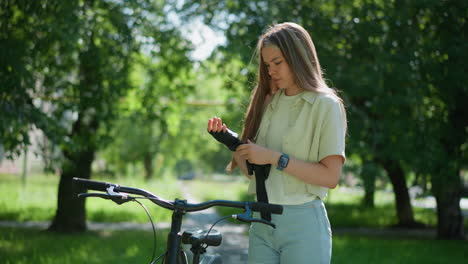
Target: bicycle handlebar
point(119, 194)
point(92, 185)
point(104, 187)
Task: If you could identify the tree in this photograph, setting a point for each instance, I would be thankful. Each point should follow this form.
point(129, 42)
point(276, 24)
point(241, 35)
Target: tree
point(442, 71)
point(74, 56)
point(27, 45)
point(383, 92)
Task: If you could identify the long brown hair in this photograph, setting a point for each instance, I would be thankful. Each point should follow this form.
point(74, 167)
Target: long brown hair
point(299, 52)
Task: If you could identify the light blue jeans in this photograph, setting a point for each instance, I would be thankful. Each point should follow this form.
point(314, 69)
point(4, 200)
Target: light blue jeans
point(302, 235)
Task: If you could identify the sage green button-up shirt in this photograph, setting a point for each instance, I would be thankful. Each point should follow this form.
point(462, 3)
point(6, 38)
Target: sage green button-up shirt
point(317, 130)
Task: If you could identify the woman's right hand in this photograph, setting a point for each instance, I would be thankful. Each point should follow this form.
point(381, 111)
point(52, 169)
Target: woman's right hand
point(215, 124)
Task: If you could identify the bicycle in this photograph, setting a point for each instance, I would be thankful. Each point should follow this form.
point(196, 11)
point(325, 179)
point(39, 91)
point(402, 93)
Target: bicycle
point(198, 239)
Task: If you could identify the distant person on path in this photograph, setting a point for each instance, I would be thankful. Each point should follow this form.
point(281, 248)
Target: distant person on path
point(295, 125)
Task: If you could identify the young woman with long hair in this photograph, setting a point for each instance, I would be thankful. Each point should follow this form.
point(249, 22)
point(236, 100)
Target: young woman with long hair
point(297, 124)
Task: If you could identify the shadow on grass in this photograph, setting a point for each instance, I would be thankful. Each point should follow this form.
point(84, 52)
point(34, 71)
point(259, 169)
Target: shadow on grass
point(110, 213)
point(352, 215)
point(364, 249)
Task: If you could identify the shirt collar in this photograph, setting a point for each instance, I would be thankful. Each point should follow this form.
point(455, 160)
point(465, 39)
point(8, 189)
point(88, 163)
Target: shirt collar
point(307, 96)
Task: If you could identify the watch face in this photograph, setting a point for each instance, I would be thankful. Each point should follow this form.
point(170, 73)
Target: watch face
point(283, 161)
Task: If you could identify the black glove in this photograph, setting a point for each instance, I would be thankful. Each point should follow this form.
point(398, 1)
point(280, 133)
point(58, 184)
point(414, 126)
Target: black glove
point(228, 138)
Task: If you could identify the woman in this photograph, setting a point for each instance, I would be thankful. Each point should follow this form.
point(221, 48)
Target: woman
point(296, 123)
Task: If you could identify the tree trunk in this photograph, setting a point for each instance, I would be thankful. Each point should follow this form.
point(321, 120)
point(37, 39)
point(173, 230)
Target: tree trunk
point(148, 164)
point(369, 174)
point(450, 219)
point(447, 191)
point(71, 212)
point(402, 198)
point(79, 152)
point(368, 200)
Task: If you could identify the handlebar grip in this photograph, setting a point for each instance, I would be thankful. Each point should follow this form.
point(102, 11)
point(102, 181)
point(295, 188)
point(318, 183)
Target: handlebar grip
point(91, 185)
point(266, 208)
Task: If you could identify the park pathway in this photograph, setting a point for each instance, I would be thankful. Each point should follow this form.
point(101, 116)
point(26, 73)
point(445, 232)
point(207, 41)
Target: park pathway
point(233, 249)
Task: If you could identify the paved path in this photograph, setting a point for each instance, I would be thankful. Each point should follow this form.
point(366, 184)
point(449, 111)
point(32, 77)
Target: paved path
point(233, 248)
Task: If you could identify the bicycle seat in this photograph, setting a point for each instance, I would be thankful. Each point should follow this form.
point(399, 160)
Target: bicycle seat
point(198, 236)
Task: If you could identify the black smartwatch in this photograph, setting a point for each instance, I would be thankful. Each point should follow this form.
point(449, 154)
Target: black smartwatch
point(283, 161)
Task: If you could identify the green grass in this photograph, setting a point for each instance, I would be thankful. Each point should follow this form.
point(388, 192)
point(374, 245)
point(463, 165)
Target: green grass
point(382, 250)
point(20, 246)
point(37, 200)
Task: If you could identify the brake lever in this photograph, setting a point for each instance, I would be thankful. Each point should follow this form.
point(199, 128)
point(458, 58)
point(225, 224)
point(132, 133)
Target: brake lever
point(263, 222)
point(118, 198)
point(246, 217)
point(99, 195)
point(243, 218)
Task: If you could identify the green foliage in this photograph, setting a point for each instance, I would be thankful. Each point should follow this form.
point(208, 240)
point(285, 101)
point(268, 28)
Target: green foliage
point(170, 124)
point(66, 74)
point(31, 36)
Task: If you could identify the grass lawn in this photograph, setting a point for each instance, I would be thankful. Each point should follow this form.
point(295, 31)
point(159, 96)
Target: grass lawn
point(20, 246)
point(37, 200)
point(382, 250)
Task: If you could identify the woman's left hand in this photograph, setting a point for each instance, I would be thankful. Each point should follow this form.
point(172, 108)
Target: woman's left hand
point(255, 154)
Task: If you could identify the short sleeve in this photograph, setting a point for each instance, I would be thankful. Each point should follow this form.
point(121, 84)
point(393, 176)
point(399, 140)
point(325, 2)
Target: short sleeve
point(333, 131)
